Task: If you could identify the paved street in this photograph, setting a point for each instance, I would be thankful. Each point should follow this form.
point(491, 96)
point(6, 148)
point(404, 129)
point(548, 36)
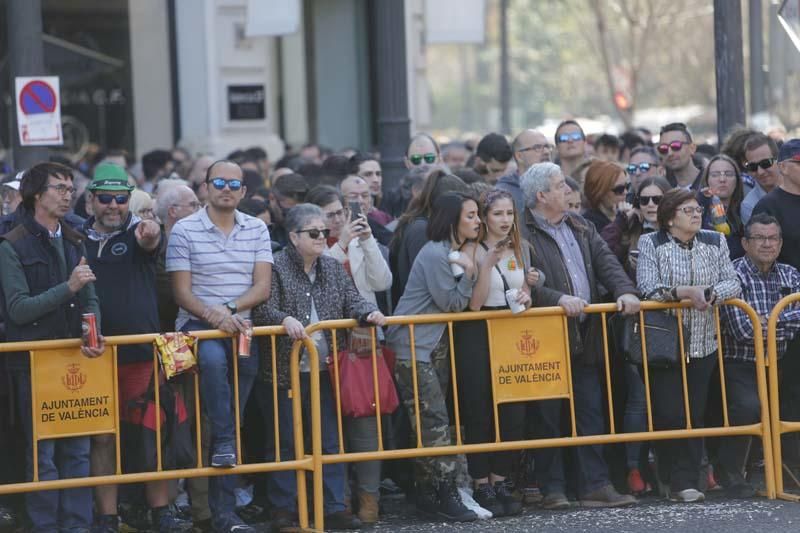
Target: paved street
point(652, 515)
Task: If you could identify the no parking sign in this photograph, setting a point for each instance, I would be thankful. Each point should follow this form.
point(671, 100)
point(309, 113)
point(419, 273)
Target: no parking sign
point(38, 111)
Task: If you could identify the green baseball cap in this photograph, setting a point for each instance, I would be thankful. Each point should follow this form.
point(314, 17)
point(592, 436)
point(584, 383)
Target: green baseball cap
point(109, 177)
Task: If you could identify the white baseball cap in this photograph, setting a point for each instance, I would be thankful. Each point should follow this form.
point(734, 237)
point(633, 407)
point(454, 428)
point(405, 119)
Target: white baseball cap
point(15, 183)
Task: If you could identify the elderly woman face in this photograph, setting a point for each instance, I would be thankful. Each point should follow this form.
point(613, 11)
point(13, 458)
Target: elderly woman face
point(688, 218)
point(310, 239)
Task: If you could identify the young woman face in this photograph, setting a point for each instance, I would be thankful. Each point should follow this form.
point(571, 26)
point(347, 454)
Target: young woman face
point(648, 198)
point(617, 192)
point(335, 217)
point(500, 218)
point(722, 179)
point(469, 223)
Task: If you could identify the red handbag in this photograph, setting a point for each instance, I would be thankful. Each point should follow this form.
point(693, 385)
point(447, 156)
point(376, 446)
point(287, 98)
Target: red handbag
point(357, 384)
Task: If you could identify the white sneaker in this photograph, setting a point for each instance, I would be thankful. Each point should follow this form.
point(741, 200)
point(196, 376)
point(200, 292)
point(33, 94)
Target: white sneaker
point(688, 496)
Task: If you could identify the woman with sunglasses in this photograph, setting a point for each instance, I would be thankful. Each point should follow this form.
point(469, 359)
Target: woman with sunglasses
point(441, 281)
point(605, 188)
point(350, 242)
point(502, 258)
point(410, 233)
point(721, 178)
point(622, 237)
point(683, 262)
point(308, 287)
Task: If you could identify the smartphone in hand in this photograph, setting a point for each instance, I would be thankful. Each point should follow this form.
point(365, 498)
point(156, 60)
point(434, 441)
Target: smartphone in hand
point(355, 211)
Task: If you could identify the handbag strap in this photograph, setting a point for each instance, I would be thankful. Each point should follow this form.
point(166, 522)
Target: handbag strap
point(497, 267)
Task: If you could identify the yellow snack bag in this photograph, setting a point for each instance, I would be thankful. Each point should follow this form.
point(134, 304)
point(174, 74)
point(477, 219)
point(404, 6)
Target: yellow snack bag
point(176, 353)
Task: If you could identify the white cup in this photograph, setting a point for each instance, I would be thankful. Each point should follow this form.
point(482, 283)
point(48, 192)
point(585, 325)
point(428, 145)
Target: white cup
point(511, 299)
point(457, 269)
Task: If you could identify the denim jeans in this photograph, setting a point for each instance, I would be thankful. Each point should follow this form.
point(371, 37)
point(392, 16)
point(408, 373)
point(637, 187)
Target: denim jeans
point(282, 486)
point(635, 413)
point(549, 463)
point(54, 510)
point(216, 399)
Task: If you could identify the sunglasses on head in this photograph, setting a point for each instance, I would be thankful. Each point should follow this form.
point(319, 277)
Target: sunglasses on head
point(621, 189)
point(566, 137)
point(675, 146)
point(315, 233)
point(644, 200)
point(220, 183)
point(105, 198)
point(752, 166)
point(429, 158)
point(641, 168)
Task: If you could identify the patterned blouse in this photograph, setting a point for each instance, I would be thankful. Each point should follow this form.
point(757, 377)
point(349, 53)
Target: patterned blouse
point(666, 263)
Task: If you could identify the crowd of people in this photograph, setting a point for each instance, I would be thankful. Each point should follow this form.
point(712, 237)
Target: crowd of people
point(185, 243)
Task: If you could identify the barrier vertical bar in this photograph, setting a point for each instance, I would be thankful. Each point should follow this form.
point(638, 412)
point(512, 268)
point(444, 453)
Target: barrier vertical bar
point(236, 414)
point(297, 417)
point(721, 364)
point(608, 373)
point(376, 389)
point(455, 383)
point(646, 374)
point(198, 417)
point(684, 362)
point(275, 414)
point(414, 382)
point(337, 390)
point(495, 409)
point(156, 388)
point(115, 389)
point(316, 434)
point(774, 394)
point(34, 428)
point(569, 376)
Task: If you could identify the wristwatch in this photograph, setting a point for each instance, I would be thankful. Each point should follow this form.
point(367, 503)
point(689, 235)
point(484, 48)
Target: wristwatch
point(231, 307)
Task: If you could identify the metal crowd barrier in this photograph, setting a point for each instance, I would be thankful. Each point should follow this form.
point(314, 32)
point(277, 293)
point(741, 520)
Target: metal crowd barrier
point(779, 426)
point(531, 316)
point(499, 322)
point(68, 353)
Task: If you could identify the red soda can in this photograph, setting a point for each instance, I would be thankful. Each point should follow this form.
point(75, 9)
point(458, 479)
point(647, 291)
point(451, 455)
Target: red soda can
point(245, 338)
point(89, 328)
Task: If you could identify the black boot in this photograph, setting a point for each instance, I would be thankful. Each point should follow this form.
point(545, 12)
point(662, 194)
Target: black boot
point(427, 500)
point(450, 505)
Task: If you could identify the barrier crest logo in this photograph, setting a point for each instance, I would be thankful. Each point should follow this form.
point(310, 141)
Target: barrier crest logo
point(74, 379)
point(527, 345)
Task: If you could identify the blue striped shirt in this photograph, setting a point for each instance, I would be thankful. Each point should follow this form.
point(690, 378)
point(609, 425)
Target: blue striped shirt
point(221, 265)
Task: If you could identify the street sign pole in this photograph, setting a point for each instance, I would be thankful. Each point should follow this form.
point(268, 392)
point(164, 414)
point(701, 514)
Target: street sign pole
point(25, 39)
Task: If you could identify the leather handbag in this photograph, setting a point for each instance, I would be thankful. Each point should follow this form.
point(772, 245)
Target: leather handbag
point(356, 381)
point(661, 338)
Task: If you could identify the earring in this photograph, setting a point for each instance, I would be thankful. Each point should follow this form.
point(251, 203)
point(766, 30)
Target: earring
point(669, 224)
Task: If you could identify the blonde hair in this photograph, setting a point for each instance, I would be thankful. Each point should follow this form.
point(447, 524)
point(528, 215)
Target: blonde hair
point(140, 201)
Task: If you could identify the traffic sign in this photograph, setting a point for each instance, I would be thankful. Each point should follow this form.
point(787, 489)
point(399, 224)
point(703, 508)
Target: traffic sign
point(39, 111)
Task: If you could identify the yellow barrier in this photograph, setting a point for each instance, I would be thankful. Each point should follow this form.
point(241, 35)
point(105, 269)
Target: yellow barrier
point(69, 351)
point(314, 462)
point(761, 429)
point(779, 427)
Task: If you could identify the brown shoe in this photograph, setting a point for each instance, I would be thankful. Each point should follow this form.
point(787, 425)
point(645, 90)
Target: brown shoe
point(606, 497)
point(367, 508)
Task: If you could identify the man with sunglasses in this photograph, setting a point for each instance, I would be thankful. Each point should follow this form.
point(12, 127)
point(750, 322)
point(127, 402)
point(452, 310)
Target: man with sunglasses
point(570, 145)
point(422, 150)
point(761, 156)
point(783, 202)
point(529, 147)
point(122, 251)
point(221, 265)
point(676, 149)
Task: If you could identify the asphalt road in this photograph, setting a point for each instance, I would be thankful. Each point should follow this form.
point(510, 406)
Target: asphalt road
point(651, 515)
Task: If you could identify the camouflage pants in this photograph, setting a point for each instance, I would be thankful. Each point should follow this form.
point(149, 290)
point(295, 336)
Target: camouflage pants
point(432, 383)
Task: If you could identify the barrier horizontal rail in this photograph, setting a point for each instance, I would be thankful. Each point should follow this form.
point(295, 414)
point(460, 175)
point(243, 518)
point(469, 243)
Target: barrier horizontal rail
point(760, 429)
point(300, 466)
point(778, 425)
